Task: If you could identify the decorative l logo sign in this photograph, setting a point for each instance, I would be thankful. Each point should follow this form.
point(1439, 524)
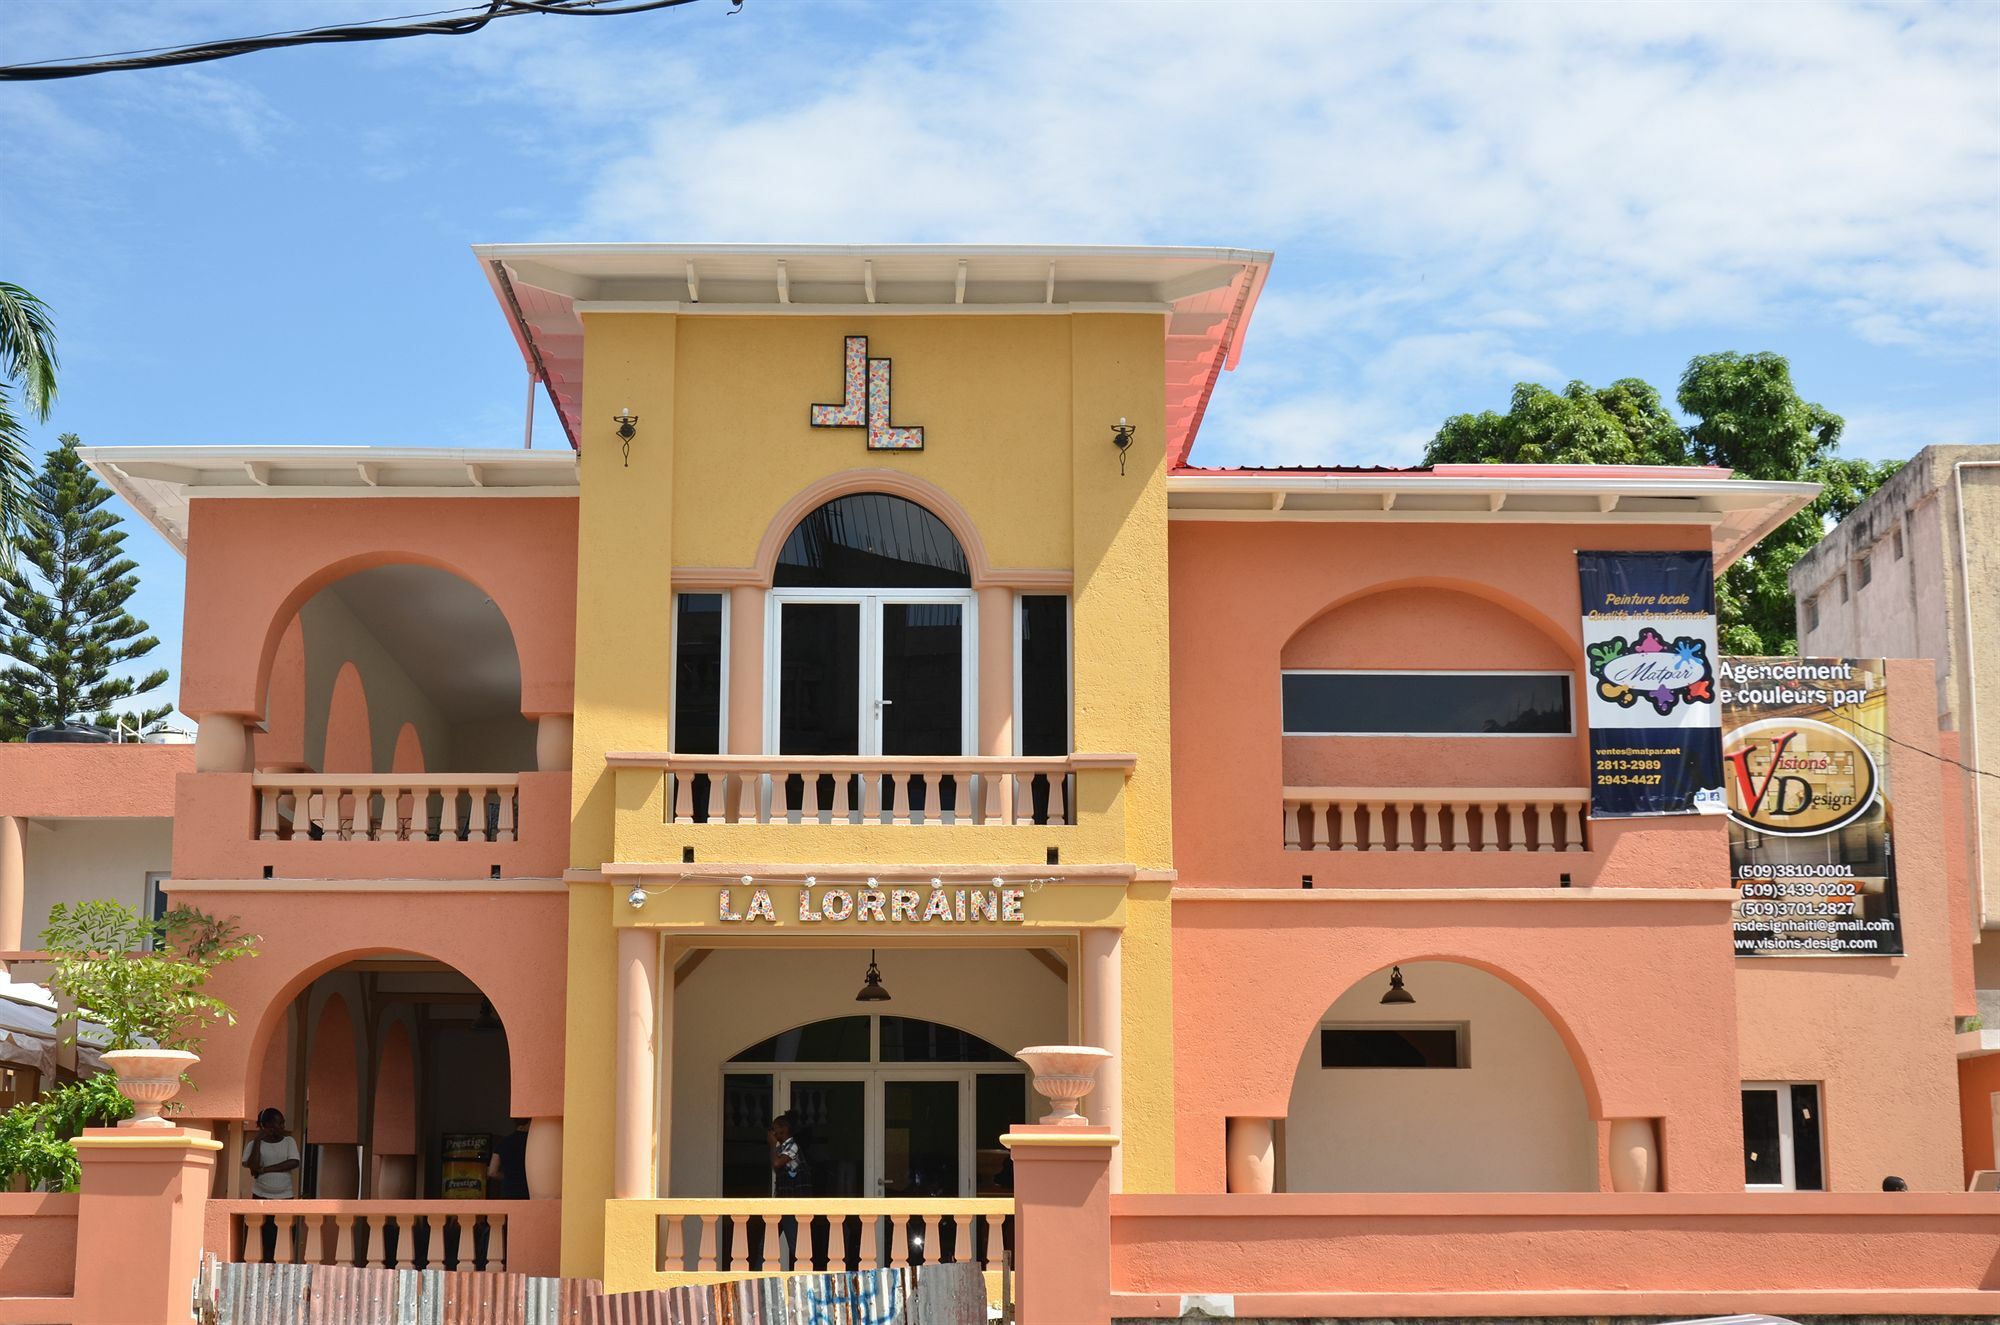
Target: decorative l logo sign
point(866, 404)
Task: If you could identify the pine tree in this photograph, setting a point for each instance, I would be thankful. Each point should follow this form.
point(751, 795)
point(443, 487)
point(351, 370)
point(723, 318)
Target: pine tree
point(62, 608)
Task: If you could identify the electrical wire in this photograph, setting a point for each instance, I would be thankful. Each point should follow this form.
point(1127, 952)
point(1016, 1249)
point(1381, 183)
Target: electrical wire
point(1928, 754)
point(439, 22)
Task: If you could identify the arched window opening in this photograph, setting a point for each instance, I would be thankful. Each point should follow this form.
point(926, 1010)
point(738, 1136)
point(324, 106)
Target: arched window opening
point(871, 540)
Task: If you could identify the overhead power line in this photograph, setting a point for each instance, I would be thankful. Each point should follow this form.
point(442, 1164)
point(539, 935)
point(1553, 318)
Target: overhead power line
point(436, 23)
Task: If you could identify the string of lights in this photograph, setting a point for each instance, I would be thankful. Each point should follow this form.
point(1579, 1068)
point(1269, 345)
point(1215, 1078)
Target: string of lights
point(435, 23)
point(1033, 884)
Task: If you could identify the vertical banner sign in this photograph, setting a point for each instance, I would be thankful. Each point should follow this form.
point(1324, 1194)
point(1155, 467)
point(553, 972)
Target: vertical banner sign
point(1811, 846)
point(1649, 638)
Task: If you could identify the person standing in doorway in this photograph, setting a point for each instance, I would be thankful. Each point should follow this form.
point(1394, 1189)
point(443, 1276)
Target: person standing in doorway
point(273, 1160)
point(791, 1175)
point(509, 1166)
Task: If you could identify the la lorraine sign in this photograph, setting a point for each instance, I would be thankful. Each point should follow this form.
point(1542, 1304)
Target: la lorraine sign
point(936, 905)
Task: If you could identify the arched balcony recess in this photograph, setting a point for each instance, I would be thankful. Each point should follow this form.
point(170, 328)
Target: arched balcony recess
point(1467, 1088)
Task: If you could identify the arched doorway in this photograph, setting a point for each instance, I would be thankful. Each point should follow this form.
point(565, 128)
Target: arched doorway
point(401, 1087)
point(871, 624)
point(1467, 1088)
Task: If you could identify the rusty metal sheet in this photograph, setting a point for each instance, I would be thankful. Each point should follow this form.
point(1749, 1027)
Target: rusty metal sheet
point(478, 1297)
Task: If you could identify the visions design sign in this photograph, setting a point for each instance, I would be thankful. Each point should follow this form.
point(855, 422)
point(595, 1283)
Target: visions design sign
point(1811, 847)
point(865, 403)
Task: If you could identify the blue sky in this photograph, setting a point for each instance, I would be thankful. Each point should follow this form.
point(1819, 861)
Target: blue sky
point(273, 249)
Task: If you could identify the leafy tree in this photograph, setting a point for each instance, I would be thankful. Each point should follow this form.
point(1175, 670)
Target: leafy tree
point(144, 980)
point(1748, 418)
point(27, 364)
point(62, 607)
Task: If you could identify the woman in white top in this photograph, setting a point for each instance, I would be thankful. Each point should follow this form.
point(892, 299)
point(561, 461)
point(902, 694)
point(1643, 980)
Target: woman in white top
point(273, 1161)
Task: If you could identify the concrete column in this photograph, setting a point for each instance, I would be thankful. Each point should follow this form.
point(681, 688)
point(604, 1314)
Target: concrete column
point(635, 1125)
point(1062, 1223)
point(13, 880)
point(139, 1220)
point(554, 735)
point(1251, 1160)
point(746, 671)
point(1103, 1026)
point(544, 1161)
point(222, 744)
point(996, 672)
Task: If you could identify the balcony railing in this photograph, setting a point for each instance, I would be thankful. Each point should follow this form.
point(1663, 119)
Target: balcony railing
point(390, 1235)
point(427, 807)
point(863, 789)
point(785, 1235)
point(1435, 818)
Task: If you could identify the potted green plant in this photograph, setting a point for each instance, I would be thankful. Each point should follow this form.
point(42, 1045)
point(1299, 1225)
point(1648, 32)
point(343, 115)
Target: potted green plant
point(144, 981)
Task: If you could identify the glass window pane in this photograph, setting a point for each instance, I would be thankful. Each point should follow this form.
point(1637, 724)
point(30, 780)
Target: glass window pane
point(1044, 675)
point(1762, 1164)
point(909, 1040)
point(923, 679)
point(872, 540)
point(839, 1040)
point(1425, 704)
point(920, 1138)
point(1389, 1046)
point(746, 1115)
point(832, 1126)
point(1807, 1166)
point(1000, 1100)
point(819, 679)
point(698, 674)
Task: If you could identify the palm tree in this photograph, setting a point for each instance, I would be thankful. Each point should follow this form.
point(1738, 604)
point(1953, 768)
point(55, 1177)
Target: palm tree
point(27, 363)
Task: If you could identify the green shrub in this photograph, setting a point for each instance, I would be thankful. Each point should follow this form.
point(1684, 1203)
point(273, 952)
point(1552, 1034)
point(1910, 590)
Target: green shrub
point(142, 979)
point(35, 1134)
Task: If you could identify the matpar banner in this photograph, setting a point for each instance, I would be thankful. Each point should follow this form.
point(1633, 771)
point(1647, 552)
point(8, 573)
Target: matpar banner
point(1811, 840)
point(1649, 639)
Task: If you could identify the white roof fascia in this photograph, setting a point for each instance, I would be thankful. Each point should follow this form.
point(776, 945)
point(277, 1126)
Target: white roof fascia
point(1740, 511)
point(160, 481)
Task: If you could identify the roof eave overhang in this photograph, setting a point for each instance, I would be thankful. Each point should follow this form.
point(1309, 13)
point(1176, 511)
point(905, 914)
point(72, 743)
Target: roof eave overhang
point(1738, 512)
point(159, 482)
point(1204, 295)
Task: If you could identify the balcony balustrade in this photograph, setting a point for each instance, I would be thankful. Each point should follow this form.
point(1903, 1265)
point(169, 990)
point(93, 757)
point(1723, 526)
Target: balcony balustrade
point(438, 807)
point(1425, 819)
point(390, 1235)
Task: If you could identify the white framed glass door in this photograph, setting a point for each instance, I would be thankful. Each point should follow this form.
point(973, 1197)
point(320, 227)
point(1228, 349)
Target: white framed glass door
point(858, 673)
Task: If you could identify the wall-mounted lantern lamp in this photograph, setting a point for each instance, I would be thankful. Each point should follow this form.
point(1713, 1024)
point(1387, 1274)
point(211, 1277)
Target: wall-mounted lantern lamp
point(871, 984)
point(628, 428)
point(1397, 994)
point(1121, 437)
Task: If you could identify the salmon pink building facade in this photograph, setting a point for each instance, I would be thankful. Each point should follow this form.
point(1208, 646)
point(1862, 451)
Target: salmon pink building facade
point(867, 689)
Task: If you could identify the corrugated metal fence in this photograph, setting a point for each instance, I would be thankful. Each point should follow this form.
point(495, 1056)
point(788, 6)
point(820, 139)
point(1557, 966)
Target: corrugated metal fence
point(233, 1294)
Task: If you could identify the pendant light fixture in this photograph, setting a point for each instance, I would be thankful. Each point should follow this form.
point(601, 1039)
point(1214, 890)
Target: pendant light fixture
point(871, 984)
point(1397, 994)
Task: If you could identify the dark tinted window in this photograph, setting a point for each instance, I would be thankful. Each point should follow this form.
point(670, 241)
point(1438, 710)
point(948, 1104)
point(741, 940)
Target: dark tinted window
point(870, 540)
point(1044, 675)
point(1806, 1166)
point(698, 674)
point(908, 1040)
point(746, 1116)
point(1390, 1046)
point(838, 1040)
point(1763, 1166)
point(1425, 704)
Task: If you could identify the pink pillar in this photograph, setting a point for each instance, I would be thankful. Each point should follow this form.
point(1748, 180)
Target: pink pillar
point(996, 672)
point(1251, 1163)
point(544, 1158)
point(1062, 1222)
point(632, 1165)
point(222, 744)
point(1103, 1026)
point(139, 1224)
point(554, 735)
point(746, 671)
point(13, 880)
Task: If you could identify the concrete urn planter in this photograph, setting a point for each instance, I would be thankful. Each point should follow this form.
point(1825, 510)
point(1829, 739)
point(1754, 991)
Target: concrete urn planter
point(1064, 1073)
point(149, 1078)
